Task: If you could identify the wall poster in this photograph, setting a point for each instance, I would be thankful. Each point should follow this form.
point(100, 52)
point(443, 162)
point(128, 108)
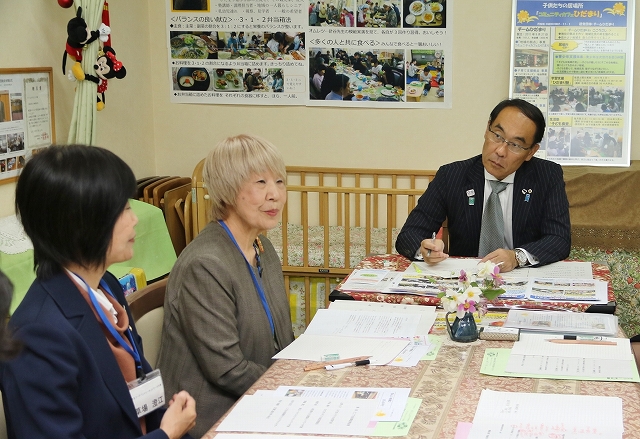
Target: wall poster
point(26, 117)
point(574, 60)
point(384, 53)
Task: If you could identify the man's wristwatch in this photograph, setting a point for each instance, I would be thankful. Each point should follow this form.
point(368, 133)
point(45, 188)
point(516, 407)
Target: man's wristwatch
point(521, 257)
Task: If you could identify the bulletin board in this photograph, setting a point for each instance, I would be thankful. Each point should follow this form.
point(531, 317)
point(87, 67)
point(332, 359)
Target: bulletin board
point(27, 121)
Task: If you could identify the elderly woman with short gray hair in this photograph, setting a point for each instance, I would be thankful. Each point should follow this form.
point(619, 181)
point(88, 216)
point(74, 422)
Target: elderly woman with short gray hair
point(226, 308)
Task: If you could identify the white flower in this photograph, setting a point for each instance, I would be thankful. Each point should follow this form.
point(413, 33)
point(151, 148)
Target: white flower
point(485, 269)
point(472, 294)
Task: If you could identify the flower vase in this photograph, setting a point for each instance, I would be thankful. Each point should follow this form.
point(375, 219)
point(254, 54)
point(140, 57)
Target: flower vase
point(463, 330)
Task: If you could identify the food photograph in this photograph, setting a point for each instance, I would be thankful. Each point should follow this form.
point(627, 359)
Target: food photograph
point(420, 13)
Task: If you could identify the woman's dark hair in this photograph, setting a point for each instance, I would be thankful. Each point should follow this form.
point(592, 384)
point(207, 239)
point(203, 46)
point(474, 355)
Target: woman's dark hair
point(340, 82)
point(8, 348)
point(68, 198)
point(529, 110)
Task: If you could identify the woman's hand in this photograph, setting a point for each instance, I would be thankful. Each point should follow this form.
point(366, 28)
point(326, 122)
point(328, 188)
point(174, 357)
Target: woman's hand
point(180, 417)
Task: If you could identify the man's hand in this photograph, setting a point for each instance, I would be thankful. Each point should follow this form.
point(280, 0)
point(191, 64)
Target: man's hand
point(504, 256)
point(180, 417)
point(432, 252)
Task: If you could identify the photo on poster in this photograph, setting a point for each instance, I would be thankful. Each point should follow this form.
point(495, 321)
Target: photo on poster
point(383, 13)
point(606, 99)
point(346, 74)
point(190, 5)
point(15, 141)
point(5, 106)
point(334, 13)
point(530, 84)
point(420, 13)
point(568, 99)
point(238, 45)
point(16, 106)
point(531, 58)
point(3, 165)
point(4, 145)
point(425, 76)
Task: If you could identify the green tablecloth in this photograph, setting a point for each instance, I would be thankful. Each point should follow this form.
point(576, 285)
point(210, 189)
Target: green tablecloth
point(153, 252)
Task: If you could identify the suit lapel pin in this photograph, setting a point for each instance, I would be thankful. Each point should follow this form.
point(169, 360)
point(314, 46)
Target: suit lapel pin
point(527, 194)
point(470, 194)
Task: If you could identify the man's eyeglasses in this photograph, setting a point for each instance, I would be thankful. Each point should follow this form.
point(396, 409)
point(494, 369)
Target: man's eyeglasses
point(513, 147)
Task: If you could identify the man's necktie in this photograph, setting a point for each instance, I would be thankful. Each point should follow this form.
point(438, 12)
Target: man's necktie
point(492, 229)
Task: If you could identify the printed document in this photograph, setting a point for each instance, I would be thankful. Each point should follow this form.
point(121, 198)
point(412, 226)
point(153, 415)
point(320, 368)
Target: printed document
point(312, 347)
point(363, 323)
point(391, 401)
point(510, 415)
point(273, 414)
point(563, 322)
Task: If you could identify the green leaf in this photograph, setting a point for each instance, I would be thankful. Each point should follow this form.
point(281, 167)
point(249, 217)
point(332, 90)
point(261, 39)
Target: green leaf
point(492, 293)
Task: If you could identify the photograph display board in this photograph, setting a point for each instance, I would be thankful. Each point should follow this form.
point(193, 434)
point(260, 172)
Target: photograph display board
point(574, 60)
point(384, 54)
point(26, 117)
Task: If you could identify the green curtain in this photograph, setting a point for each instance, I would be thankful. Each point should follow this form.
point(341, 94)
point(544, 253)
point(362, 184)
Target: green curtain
point(83, 119)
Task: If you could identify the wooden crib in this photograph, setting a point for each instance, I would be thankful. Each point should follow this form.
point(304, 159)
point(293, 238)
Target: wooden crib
point(334, 218)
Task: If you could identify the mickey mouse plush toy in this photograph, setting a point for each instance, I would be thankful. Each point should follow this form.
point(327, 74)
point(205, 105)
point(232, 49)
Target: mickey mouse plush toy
point(106, 67)
point(78, 35)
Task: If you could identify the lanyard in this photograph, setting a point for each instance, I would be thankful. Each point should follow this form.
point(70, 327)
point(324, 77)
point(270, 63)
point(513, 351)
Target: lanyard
point(133, 349)
point(263, 297)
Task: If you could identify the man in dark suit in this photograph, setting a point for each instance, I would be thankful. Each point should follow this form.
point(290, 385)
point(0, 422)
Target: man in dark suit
point(534, 204)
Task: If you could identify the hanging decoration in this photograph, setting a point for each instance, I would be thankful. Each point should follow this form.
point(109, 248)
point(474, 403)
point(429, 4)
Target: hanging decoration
point(106, 67)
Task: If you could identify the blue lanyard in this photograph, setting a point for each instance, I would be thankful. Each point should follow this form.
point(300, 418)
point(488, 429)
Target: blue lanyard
point(133, 349)
point(263, 297)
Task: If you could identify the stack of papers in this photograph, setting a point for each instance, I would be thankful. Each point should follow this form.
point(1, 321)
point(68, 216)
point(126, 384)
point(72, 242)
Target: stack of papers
point(562, 281)
point(507, 415)
point(541, 355)
point(563, 322)
point(391, 334)
point(326, 410)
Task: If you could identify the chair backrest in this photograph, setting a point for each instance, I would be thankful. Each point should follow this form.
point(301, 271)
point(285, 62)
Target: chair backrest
point(174, 200)
point(144, 182)
point(147, 191)
point(157, 199)
point(147, 309)
point(200, 202)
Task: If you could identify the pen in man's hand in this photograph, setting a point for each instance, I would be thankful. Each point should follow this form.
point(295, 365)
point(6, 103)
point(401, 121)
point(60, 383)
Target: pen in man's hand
point(433, 241)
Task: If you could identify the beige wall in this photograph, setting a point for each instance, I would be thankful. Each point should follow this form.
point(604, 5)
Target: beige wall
point(157, 137)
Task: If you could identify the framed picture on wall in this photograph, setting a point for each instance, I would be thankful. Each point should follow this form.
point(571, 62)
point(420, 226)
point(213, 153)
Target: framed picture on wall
point(27, 121)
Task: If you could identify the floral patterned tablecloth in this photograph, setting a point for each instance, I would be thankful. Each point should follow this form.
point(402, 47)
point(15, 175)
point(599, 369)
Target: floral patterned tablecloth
point(400, 263)
point(449, 387)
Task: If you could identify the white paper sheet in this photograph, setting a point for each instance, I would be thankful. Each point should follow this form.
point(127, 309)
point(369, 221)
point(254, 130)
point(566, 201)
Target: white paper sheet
point(312, 347)
point(563, 322)
point(270, 436)
point(533, 354)
point(427, 313)
point(301, 415)
point(507, 415)
point(391, 401)
point(363, 324)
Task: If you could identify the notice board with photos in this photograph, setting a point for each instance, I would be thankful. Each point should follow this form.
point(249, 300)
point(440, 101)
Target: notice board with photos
point(27, 121)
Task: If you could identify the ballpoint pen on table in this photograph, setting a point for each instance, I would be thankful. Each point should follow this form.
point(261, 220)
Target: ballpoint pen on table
point(433, 241)
point(322, 364)
point(343, 365)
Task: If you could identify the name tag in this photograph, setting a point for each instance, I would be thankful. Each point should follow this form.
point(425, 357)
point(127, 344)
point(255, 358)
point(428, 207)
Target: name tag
point(147, 393)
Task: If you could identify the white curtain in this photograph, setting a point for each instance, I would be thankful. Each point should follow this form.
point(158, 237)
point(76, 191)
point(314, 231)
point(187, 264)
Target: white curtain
point(83, 120)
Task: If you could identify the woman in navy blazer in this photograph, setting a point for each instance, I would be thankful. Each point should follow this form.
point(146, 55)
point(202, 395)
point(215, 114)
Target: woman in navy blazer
point(70, 379)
